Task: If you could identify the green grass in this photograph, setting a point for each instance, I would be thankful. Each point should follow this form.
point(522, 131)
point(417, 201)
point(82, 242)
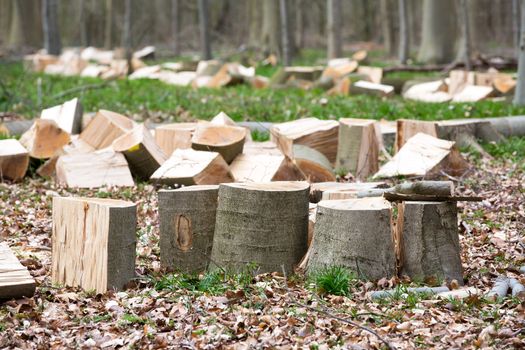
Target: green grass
point(513, 148)
point(334, 280)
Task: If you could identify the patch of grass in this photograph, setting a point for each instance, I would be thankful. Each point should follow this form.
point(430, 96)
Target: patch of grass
point(334, 280)
point(513, 148)
point(260, 136)
point(132, 319)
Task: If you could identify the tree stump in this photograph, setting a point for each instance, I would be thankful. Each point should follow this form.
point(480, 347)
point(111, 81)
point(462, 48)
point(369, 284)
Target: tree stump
point(187, 224)
point(356, 234)
point(262, 223)
point(427, 235)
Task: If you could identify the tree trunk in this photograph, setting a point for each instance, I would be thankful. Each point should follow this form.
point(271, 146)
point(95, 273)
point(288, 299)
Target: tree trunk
point(82, 24)
point(299, 24)
point(385, 11)
point(333, 28)
point(516, 24)
point(465, 43)
point(438, 32)
point(108, 34)
point(404, 40)
point(285, 38)
point(175, 26)
point(50, 27)
point(26, 25)
point(204, 30)
point(270, 27)
point(126, 36)
point(519, 97)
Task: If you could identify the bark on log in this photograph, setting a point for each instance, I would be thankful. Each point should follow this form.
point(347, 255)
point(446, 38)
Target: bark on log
point(170, 137)
point(15, 280)
point(93, 242)
point(263, 223)
point(428, 241)
point(380, 294)
point(356, 234)
point(187, 225)
point(325, 190)
point(13, 128)
point(105, 128)
point(438, 188)
point(516, 287)
point(226, 140)
point(68, 116)
point(14, 160)
point(500, 288)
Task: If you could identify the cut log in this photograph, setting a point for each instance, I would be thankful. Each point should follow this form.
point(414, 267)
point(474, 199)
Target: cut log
point(13, 128)
point(170, 137)
point(473, 93)
point(285, 74)
point(342, 87)
point(320, 135)
point(14, 160)
point(424, 155)
point(458, 79)
point(517, 289)
point(143, 154)
point(48, 169)
point(226, 140)
point(360, 56)
point(261, 223)
point(44, 139)
point(93, 242)
point(105, 128)
point(148, 72)
point(392, 293)
point(208, 68)
point(223, 119)
point(313, 164)
point(428, 241)
point(375, 74)
point(398, 197)
point(504, 85)
point(187, 224)
point(68, 116)
point(15, 280)
point(436, 188)
point(368, 88)
point(432, 91)
point(39, 62)
point(264, 168)
point(340, 190)
point(338, 68)
point(266, 148)
point(92, 170)
point(358, 149)
point(190, 167)
point(355, 234)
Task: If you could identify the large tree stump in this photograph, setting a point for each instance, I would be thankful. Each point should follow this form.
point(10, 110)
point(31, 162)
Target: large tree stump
point(93, 242)
point(14, 160)
point(15, 281)
point(68, 116)
point(262, 223)
point(356, 234)
point(224, 139)
point(428, 241)
point(44, 139)
point(187, 224)
point(105, 128)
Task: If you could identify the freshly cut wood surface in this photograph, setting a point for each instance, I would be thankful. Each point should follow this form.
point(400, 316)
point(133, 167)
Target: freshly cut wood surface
point(356, 234)
point(48, 169)
point(14, 160)
point(170, 137)
point(15, 280)
point(68, 116)
point(187, 225)
point(223, 119)
point(374, 73)
point(191, 167)
point(261, 223)
point(44, 139)
point(105, 128)
point(313, 164)
point(424, 155)
point(369, 88)
point(224, 139)
point(473, 93)
point(432, 91)
point(320, 135)
point(143, 154)
point(93, 242)
point(264, 168)
point(264, 148)
point(92, 170)
point(458, 79)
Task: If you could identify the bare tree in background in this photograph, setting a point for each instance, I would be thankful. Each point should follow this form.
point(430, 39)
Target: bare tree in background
point(285, 39)
point(333, 27)
point(404, 40)
point(175, 26)
point(126, 35)
point(108, 30)
point(385, 11)
point(438, 32)
point(519, 95)
point(270, 27)
point(50, 27)
point(465, 32)
point(82, 23)
point(516, 23)
point(204, 28)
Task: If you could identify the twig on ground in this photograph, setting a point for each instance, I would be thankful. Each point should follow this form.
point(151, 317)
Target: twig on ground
point(81, 89)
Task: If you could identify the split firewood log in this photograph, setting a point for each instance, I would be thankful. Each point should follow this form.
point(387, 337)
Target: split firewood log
point(68, 116)
point(44, 139)
point(313, 164)
point(105, 128)
point(264, 168)
point(226, 140)
point(14, 160)
point(170, 137)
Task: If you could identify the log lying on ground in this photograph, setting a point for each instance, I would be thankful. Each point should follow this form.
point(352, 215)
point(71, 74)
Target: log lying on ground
point(93, 242)
point(143, 154)
point(68, 116)
point(92, 170)
point(358, 147)
point(424, 155)
point(313, 164)
point(14, 160)
point(264, 168)
point(436, 188)
point(187, 224)
point(473, 93)
point(516, 287)
point(12, 128)
point(105, 128)
point(261, 223)
point(340, 190)
point(432, 91)
point(428, 241)
point(190, 167)
point(285, 74)
point(226, 140)
point(392, 293)
point(44, 139)
point(375, 74)
point(500, 288)
point(369, 88)
point(15, 280)
point(356, 234)
point(338, 68)
point(320, 135)
point(170, 137)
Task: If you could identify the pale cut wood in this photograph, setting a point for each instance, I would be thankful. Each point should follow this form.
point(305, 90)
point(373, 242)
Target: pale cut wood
point(432, 91)
point(48, 169)
point(148, 72)
point(338, 68)
point(358, 148)
point(342, 87)
point(427, 234)
point(504, 85)
point(261, 223)
point(68, 116)
point(170, 137)
point(374, 73)
point(143, 154)
point(93, 70)
point(179, 78)
point(356, 234)
point(360, 56)
point(14, 160)
point(320, 135)
point(44, 139)
point(93, 242)
point(38, 62)
point(473, 93)
point(369, 88)
point(187, 225)
point(313, 164)
point(223, 119)
point(459, 79)
point(191, 167)
point(15, 280)
point(92, 170)
point(105, 128)
point(424, 155)
point(326, 190)
point(224, 139)
point(265, 148)
point(264, 168)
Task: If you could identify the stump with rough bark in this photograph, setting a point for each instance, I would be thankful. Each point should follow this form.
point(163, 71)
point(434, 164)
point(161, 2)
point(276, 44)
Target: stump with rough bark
point(261, 223)
point(187, 224)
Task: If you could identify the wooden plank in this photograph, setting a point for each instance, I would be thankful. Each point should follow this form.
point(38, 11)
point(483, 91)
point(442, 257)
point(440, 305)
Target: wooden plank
point(15, 280)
